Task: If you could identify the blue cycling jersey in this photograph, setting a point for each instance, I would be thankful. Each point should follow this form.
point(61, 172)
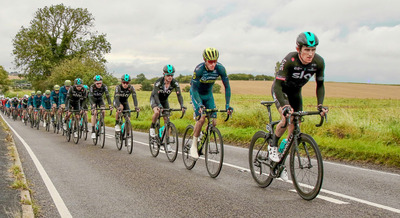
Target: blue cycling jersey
point(46, 102)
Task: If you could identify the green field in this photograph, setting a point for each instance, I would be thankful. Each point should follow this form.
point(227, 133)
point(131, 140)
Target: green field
point(361, 130)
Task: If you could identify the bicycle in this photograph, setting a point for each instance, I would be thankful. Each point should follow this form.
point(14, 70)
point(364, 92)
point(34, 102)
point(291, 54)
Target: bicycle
point(47, 120)
point(210, 140)
point(167, 136)
point(305, 157)
point(73, 126)
point(100, 127)
point(83, 125)
point(126, 133)
point(25, 116)
point(38, 114)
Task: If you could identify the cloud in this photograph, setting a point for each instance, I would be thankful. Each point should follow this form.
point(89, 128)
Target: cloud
point(358, 39)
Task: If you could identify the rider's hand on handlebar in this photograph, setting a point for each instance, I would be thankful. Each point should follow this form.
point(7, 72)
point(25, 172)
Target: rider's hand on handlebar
point(137, 109)
point(286, 110)
point(322, 109)
point(229, 109)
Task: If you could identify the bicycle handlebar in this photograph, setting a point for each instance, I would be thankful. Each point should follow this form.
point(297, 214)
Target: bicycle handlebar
point(172, 109)
point(216, 110)
point(137, 112)
point(306, 113)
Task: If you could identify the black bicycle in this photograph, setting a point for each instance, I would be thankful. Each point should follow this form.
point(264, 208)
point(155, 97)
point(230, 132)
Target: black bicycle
point(100, 127)
point(166, 136)
point(73, 126)
point(126, 133)
point(47, 119)
point(83, 125)
point(210, 141)
point(306, 165)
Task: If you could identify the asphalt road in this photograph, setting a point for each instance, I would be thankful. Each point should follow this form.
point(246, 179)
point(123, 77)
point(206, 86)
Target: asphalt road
point(82, 180)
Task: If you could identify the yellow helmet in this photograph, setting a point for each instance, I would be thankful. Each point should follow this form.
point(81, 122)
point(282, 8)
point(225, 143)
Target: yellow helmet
point(210, 54)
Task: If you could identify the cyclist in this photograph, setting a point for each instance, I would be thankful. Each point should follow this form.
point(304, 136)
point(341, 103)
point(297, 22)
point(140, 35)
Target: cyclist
point(203, 79)
point(159, 97)
point(121, 95)
point(24, 106)
point(96, 92)
point(8, 105)
point(63, 93)
point(294, 72)
point(54, 98)
point(14, 104)
point(30, 102)
point(37, 102)
point(46, 105)
point(76, 96)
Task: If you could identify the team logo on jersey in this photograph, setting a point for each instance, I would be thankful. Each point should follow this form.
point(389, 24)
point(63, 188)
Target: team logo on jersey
point(194, 75)
point(302, 75)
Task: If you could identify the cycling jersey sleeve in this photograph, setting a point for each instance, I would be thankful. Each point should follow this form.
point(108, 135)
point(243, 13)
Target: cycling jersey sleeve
point(43, 104)
point(178, 93)
point(107, 95)
point(155, 92)
point(68, 98)
point(194, 87)
point(61, 97)
point(91, 98)
point(319, 78)
point(225, 81)
point(116, 97)
point(134, 98)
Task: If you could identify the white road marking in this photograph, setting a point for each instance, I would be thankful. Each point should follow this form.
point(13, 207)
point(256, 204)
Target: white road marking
point(58, 201)
point(336, 201)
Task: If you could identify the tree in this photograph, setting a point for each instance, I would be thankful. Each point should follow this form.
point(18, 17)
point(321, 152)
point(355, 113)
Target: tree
point(139, 79)
point(84, 68)
point(57, 33)
point(4, 81)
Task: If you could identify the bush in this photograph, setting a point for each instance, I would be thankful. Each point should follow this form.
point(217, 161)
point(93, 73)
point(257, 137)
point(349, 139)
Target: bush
point(146, 86)
point(216, 88)
point(186, 89)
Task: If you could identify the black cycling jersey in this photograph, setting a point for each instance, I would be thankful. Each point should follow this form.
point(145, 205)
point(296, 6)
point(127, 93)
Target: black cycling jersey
point(76, 98)
point(121, 95)
point(293, 75)
point(160, 92)
point(96, 94)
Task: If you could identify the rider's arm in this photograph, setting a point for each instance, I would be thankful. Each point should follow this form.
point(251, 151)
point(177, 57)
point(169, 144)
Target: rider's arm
point(43, 104)
point(155, 92)
point(319, 78)
point(133, 92)
point(280, 78)
point(107, 95)
point(194, 89)
point(91, 98)
point(116, 97)
point(225, 81)
point(61, 97)
point(178, 92)
point(68, 98)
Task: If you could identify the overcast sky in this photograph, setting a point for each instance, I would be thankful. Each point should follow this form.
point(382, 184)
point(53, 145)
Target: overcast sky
point(359, 40)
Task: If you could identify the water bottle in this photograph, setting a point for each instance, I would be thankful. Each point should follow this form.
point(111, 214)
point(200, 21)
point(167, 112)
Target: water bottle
point(161, 131)
point(282, 145)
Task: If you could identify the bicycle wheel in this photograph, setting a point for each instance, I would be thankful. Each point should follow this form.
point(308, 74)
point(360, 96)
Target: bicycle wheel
point(186, 144)
point(102, 133)
point(85, 129)
point(153, 141)
point(306, 167)
point(258, 158)
point(171, 142)
point(118, 139)
point(75, 130)
point(38, 121)
point(47, 123)
point(214, 153)
point(129, 137)
point(69, 129)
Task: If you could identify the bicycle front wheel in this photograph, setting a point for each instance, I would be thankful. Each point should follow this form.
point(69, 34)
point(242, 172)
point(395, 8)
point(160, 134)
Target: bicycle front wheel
point(85, 129)
point(186, 144)
point(214, 153)
point(75, 130)
point(171, 142)
point(129, 137)
point(153, 142)
point(258, 159)
point(306, 167)
point(102, 133)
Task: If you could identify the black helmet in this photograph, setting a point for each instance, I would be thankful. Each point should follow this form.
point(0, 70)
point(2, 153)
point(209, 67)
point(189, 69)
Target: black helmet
point(169, 69)
point(126, 78)
point(308, 39)
point(78, 81)
point(97, 78)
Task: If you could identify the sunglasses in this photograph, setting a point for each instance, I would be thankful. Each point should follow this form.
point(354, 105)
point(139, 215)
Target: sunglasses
point(125, 83)
point(211, 62)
